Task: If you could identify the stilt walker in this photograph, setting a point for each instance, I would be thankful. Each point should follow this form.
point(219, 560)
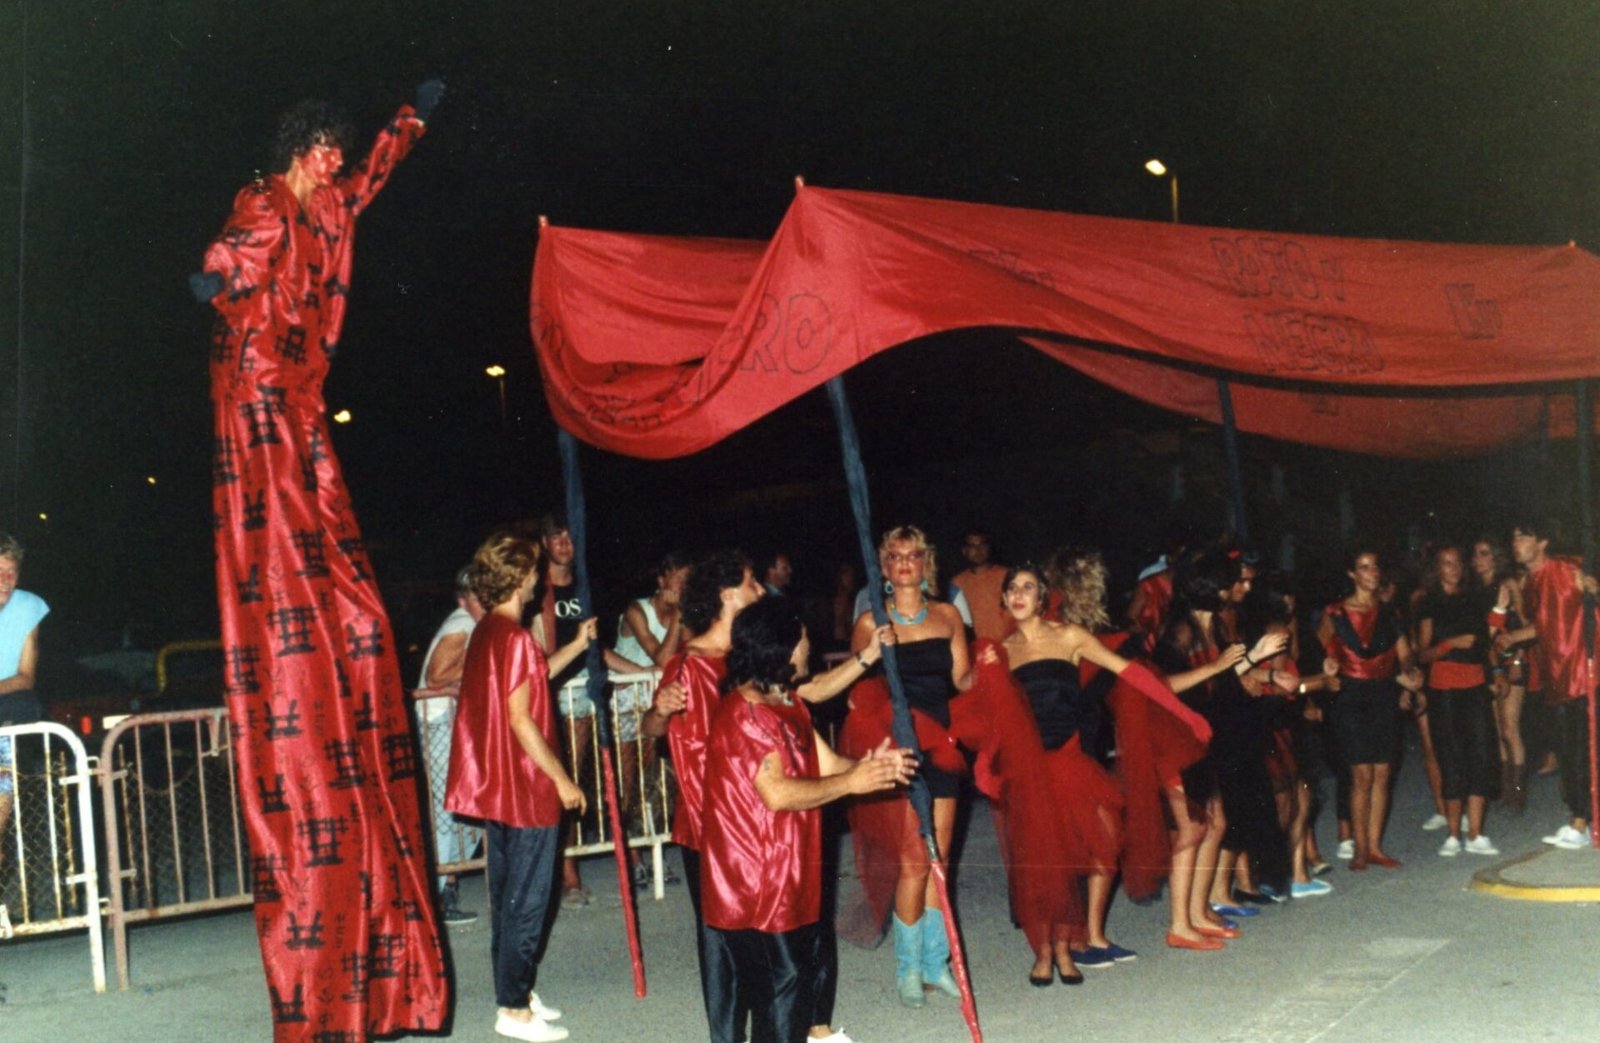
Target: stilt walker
point(319, 716)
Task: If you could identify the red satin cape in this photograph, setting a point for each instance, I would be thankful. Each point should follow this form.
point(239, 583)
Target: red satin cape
point(1555, 607)
point(491, 776)
point(760, 869)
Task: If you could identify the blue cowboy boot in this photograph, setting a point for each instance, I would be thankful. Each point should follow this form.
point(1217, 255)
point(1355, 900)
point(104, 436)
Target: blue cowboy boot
point(908, 960)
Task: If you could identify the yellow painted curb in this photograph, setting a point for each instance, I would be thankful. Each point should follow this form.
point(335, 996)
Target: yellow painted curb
point(1492, 881)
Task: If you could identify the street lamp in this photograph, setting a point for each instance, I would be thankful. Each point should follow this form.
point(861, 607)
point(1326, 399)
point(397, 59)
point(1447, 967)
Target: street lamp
point(1230, 435)
point(498, 372)
point(1159, 169)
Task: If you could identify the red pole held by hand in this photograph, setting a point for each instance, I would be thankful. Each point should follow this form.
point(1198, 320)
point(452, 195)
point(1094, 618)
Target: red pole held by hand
point(619, 837)
point(958, 955)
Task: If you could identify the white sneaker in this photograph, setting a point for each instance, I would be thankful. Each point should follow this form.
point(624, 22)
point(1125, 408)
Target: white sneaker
point(1450, 848)
point(540, 1010)
point(1480, 845)
point(1435, 821)
point(1347, 849)
point(534, 1030)
point(832, 1037)
point(1568, 839)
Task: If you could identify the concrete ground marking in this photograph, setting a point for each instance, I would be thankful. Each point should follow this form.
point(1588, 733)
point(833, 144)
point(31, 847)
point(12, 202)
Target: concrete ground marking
point(1309, 1013)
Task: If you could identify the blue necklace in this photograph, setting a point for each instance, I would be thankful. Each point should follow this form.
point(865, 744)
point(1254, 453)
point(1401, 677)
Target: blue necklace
point(914, 620)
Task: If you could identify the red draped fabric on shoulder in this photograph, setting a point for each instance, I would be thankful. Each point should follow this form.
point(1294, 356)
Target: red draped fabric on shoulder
point(1047, 805)
point(1044, 804)
point(657, 347)
point(327, 761)
point(1157, 737)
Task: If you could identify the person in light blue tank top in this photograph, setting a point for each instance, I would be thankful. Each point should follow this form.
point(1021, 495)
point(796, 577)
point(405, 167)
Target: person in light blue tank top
point(20, 613)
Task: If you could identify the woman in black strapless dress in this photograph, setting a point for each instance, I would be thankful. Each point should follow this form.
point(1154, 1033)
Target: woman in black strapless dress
point(1077, 799)
point(1078, 794)
point(931, 643)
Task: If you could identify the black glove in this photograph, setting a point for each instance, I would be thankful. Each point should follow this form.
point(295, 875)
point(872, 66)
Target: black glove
point(205, 285)
point(429, 92)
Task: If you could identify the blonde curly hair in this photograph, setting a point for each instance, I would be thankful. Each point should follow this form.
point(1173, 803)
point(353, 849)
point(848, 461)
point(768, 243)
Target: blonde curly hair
point(1080, 575)
point(500, 566)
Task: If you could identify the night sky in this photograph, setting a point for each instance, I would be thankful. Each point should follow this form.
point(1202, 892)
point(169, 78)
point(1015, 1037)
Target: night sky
point(126, 128)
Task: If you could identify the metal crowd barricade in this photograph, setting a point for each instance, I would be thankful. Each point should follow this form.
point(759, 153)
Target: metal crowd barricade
point(647, 790)
point(457, 845)
point(49, 880)
point(175, 839)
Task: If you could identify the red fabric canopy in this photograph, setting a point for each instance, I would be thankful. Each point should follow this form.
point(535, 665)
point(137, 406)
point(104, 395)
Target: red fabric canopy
point(658, 347)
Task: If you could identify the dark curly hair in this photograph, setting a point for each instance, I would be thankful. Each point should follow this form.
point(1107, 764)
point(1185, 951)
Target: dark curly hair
point(765, 635)
point(500, 566)
point(1270, 601)
point(309, 122)
point(1200, 579)
point(701, 603)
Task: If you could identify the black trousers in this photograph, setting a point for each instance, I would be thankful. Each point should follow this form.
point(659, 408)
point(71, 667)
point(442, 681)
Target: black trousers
point(773, 976)
point(1572, 746)
point(716, 962)
point(691, 879)
point(522, 865)
point(1465, 741)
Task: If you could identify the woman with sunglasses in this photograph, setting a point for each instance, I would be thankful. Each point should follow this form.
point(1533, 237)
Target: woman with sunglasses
point(932, 657)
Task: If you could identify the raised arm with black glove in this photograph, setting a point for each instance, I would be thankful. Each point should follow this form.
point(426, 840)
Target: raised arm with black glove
point(429, 94)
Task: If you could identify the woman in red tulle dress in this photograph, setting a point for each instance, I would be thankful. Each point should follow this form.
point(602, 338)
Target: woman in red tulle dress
point(1076, 805)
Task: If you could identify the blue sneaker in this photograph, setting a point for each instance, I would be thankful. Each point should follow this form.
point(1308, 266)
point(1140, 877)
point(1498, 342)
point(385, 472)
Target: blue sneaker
point(1093, 957)
point(1272, 893)
point(1310, 890)
point(1119, 954)
point(1234, 910)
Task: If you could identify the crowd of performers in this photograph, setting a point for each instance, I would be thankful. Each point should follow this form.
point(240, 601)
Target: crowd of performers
point(1018, 682)
point(1169, 752)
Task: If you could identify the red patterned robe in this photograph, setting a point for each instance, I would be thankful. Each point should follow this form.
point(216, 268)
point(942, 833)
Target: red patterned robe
point(322, 737)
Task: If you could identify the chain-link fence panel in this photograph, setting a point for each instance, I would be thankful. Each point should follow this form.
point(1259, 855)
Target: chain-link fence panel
point(48, 879)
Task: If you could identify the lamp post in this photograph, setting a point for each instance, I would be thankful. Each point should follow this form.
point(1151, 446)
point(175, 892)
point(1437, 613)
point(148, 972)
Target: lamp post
point(1159, 169)
point(1230, 435)
point(498, 372)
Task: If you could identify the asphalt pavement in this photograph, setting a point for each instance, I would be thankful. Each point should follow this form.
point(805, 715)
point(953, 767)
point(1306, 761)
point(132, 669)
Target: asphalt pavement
point(1417, 953)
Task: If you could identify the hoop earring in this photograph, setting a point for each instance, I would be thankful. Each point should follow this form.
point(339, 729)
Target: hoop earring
point(888, 588)
point(924, 586)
